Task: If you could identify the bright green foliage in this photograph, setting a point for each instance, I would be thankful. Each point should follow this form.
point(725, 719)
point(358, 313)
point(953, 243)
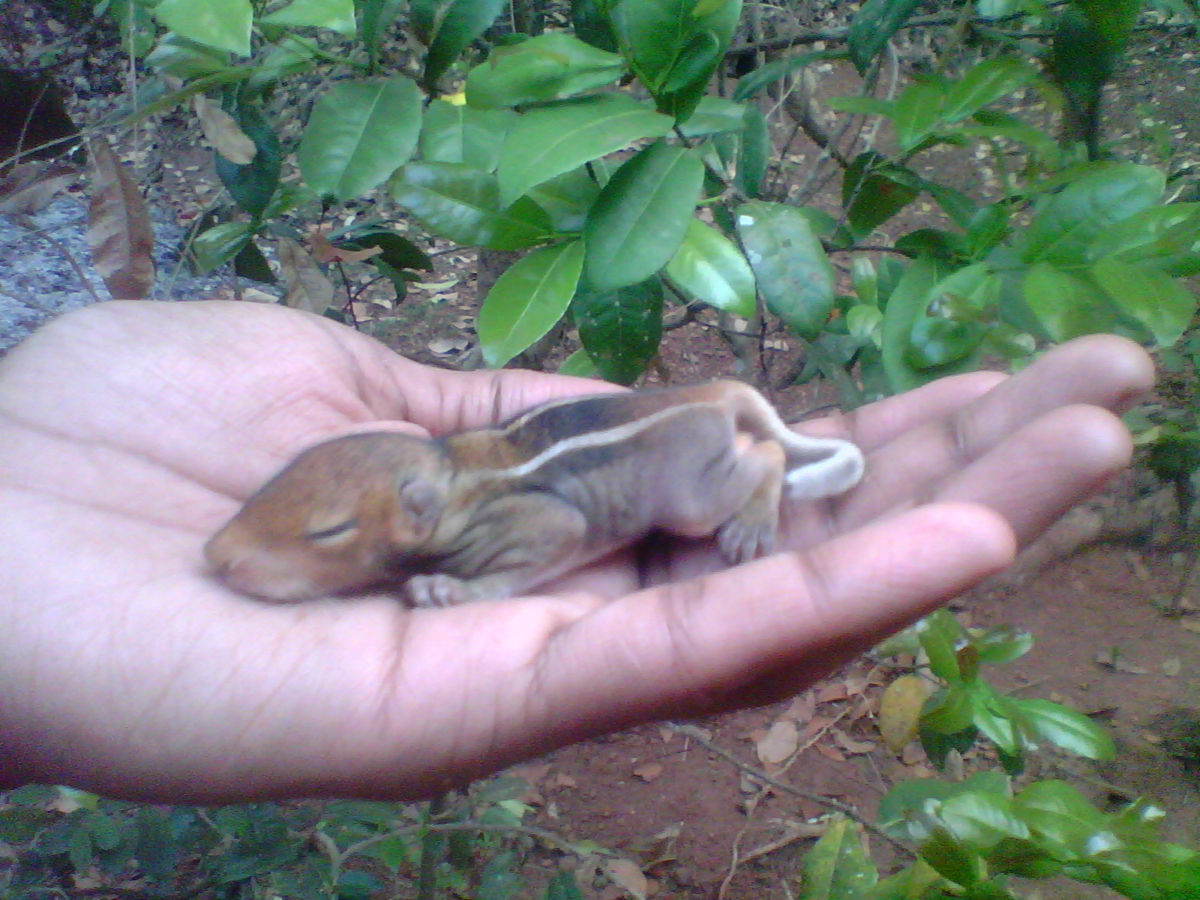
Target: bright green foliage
point(527, 300)
point(359, 133)
point(547, 67)
point(336, 15)
point(837, 867)
point(221, 24)
point(460, 134)
point(709, 266)
point(873, 26)
point(640, 217)
point(620, 329)
point(447, 28)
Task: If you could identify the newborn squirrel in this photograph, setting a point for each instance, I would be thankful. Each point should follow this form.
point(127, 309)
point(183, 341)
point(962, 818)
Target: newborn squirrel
point(490, 513)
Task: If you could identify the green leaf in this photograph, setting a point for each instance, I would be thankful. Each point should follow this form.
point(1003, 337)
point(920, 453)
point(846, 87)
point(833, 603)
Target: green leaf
point(1066, 223)
point(674, 46)
point(934, 243)
point(950, 858)
point(1072, 731)
point(547, 67)
point(499, 879)
point(981, 819)
point(1066, 305)
point(563, 886)
point(986, 229)
point(639, 220)
point(905, 306)
point(253, 185)
point(398, 251)
point(456, 133)
point(1112, 18)
point(934, 343)
point(1001, 645)
point(251, 263)
point(794, 274)
point(620, 329)
point(447, 27)
point(377, 18)
point(549, 141)
point(837, 867)
point(873, 26)
point(1155, 300)
point(579, 365)
point(335, 15)
point(567, 198)
point(862, 106)
point(591, 24)
point(1167, 237)
point(709, 266)
point(219, 244)
point(873, 191)
point(223, 24)
point(918, 112)
point(175, 55)
point(360, 132)
point(463, 205)
point(1057, 812)
point(751, 84)
point(527, 300)
point(754, 152)
point(986, 82)
point(714, 115)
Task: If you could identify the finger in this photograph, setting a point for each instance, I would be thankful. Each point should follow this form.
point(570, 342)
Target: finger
point(694, 646)
point(1103, 371)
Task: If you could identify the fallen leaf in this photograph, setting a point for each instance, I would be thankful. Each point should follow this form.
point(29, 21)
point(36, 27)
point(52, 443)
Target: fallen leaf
point(626, 875)
point(801, 709)
point(119, 232)
point(814, 726)
point(254, 295)
point(649, 772)
point(307, 287)
point(900, 710)
point(444, 346)
point(912, 755)
point(561, 781)
point(851, 746)
point(832, 692)
point(435, 285)
point(29, 187)
point(223, 132)
point(1111, 659)
point(660, 848)
point(830, 752)
point(325, 252)
point(780, 742)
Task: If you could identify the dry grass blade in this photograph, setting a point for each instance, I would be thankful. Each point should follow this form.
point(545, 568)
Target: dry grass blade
point(29, 187)
point(119, 234)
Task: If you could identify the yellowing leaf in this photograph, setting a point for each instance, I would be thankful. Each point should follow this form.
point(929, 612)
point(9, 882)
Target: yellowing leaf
point(223, 132)
point(780, 743)
point(900, 710)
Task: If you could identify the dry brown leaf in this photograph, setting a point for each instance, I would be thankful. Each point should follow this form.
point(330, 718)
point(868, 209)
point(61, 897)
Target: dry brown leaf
point(307, 287)
point(830, 752)
point(832, 692)
point(119, 233)
point(1192, 625)
point(658, 849)
point(851, 746)
point(626, 875)
point(913, 754)
point(531, 774)
point(29, 187)
point(446, 346)
point(780, 743)
point(561, 781)
point(648, 772)
point(900, 710)
point(663, 731)
point(815, 726)
point(801, 709)
point(325, 252)
point(223, 132)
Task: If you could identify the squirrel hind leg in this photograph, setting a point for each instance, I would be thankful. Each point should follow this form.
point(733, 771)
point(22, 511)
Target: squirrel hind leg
point(838, 469)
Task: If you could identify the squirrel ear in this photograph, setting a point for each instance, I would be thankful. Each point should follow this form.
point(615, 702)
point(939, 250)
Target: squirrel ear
point(420, 506)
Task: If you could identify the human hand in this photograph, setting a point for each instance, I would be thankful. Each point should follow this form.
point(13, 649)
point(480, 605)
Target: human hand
point(130, 431)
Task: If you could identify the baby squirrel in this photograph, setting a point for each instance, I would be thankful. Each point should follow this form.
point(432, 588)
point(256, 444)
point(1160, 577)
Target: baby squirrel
point(494, 512)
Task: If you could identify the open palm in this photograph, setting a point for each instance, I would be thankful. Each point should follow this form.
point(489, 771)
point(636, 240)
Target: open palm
point(130, 431)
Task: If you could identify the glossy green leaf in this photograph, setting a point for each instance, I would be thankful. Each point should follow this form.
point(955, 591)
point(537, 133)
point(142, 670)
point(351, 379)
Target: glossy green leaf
point(456, 133)
point(579, 365)
point(1066, 305)
point(960, 207)
point(837, 867)
point(714, 115)
point(794, 274)
point(1166, 237)
point(1058, 812)
point(917, 113)
point(591, 24)
point(175, 55)
point(767, 74)
point(376, 17)
point(1001, 645)
point(981, 819)
point(639, 220)
point(335, 15)
point(396, 250)
point(463, 205)
point(1159, 302)
point(674, 46)
point(864, 279)
point(873, 191)
point(253, 185)
point(527, 300)
point(223, 24)
point(905, 306)
point(567, 198)
point(933, 243)
point(709, 266)
point(986, 229)
point(1067, 729)
point(950, 858)
point(282, 61)
point(1065, 224)
point(873, 26)
point(985, 83)
point(219, 244)
point(620, 329)
point(936, 343)
point(754, 152)
point(940, 634)
point(251, 263)
point(862, 106)
point(549, 141)
point(447, 28)
point(360, 132)
point(548, 67)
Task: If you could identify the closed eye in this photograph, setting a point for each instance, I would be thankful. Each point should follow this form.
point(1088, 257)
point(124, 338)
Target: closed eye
point(334, 534)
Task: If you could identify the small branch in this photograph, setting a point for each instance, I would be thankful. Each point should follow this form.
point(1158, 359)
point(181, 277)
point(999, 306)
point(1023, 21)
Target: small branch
point(695, 734)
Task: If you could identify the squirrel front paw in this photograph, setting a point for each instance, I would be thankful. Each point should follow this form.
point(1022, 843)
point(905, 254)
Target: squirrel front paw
point(432, 591)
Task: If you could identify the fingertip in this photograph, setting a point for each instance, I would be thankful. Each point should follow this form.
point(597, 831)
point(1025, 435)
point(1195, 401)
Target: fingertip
point(1123, 370)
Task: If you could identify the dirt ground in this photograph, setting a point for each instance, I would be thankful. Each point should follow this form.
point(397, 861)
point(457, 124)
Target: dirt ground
point(658, 793)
